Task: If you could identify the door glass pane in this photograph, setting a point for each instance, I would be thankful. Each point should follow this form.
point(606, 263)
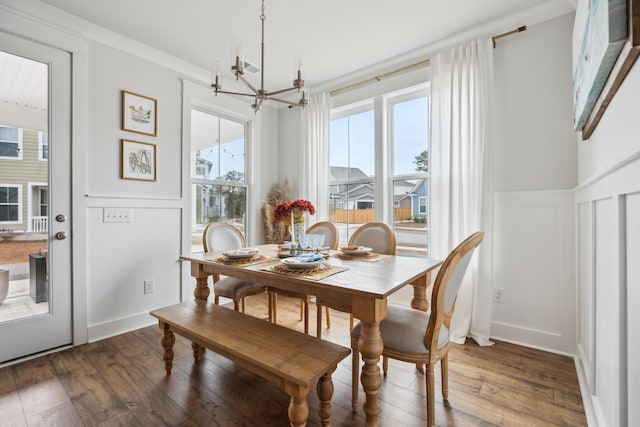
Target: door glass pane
point(24, 177)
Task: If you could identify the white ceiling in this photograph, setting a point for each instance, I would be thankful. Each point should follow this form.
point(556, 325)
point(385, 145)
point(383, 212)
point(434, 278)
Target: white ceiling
point(334, 37)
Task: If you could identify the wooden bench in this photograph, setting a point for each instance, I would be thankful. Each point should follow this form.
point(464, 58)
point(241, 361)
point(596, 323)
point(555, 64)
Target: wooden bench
point(286, 358)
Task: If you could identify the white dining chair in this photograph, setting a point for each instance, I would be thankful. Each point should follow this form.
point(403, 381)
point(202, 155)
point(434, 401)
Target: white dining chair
point(420, 337)
point(221, 237)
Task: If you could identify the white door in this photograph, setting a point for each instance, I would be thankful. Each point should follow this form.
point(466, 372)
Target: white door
point(35, 197)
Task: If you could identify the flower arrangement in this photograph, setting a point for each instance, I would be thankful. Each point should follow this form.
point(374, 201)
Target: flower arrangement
point(287, 212)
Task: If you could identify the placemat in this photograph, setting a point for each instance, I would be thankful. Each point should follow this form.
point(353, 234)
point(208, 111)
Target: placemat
point(320, 272)
point(370, 257)
point(243, 262)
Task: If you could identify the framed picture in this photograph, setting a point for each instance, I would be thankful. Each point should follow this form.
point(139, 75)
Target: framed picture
point(630, 52)
point(600, 31)
point(139, 113)
point(139, 160)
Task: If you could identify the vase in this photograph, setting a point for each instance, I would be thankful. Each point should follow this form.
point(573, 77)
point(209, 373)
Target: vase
point(298, 230)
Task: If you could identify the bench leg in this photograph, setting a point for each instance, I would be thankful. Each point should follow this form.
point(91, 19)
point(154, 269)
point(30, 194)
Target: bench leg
point(168, 340)
point(298, 405)
point(325, 392)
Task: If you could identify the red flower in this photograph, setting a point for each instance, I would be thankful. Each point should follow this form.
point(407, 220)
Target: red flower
point(283, 211)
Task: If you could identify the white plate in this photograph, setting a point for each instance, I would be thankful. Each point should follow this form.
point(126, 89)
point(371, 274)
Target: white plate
point(362, 250)
point(298, 264)
point(241, 253)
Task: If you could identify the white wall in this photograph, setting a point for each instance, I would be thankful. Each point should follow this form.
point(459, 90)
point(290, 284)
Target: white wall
point(608, 206)
point(535, 173)
point(112, 260)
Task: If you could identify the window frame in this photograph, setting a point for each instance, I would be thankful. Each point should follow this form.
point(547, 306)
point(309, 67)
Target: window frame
point(194, 179)
point(384, 177)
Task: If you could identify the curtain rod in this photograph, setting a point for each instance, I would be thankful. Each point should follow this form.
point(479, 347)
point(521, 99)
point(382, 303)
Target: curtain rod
point(415, 65)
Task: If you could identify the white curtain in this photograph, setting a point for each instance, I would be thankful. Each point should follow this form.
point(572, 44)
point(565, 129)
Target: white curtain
point(462, 184)
point(314, 174)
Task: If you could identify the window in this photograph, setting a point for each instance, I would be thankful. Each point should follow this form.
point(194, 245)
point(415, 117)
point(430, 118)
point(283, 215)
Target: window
point(219, 189)
point(352, 168)
point(422, 205)
point(10, 143)
point(43, 146)
point(44, 201)
point(10, 209)
point(393, 154)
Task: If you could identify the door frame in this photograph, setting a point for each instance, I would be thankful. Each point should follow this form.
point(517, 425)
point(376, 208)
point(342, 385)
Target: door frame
point(34, 24)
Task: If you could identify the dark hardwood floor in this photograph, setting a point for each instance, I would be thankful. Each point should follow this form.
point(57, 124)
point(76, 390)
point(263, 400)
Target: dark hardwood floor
point(121, 381)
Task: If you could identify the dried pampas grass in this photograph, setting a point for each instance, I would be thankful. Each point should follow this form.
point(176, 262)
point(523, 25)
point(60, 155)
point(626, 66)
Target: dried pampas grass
point(276, 232)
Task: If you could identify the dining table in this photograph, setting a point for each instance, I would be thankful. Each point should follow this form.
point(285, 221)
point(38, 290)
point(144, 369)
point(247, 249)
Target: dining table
point(354, 283)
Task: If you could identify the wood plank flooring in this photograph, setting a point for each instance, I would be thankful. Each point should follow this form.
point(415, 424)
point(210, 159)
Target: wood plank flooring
point(121, 381)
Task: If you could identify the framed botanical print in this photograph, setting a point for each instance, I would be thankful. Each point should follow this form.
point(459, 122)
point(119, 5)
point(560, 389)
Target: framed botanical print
point(139, 113)
point(139, 160)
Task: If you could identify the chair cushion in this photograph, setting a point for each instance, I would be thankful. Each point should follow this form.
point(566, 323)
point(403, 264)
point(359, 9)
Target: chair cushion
point(230, 287)
point(404, 329)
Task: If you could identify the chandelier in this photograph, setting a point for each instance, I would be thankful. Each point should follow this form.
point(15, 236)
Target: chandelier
point(259, 95)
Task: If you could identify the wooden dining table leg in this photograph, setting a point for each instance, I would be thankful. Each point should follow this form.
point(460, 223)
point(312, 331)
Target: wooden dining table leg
point(370, 346)
point(420, 300)
point(202, 291)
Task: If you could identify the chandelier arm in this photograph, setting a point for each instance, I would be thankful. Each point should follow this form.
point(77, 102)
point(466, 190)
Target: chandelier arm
point(278, 92)
point(292, 104)
point(236, 93)
point(249, 85)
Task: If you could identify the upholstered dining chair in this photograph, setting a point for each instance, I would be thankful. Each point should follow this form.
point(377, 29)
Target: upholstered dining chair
point(221, 237)
point(423, 337)
point(331, 239)
point(375, 235)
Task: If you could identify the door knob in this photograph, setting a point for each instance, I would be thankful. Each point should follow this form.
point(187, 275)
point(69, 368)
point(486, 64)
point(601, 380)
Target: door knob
point(61, 218)
point(61, 235)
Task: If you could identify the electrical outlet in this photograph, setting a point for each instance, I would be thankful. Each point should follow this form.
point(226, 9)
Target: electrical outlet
point(149, 286)
point(498, 295)
point(116, 215)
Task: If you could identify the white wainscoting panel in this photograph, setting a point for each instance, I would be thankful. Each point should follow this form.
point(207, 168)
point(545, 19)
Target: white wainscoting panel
point(632, 214)
point(608, 266)
point(586, 292)
point(121, 258)
point(608, 322)
point(534, 266)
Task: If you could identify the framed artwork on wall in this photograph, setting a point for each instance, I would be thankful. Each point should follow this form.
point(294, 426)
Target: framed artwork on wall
point(139, 113)
point(606, 43)
point(139, 160)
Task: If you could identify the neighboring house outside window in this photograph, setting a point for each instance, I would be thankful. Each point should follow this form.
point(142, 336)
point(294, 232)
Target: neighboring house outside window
point(43, 146)
point(10, 204)
point(10, 143)
point(422, 205)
